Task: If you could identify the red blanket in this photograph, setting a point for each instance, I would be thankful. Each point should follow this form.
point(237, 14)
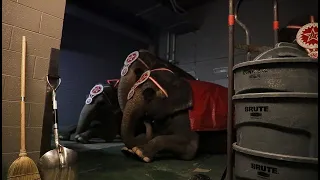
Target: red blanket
point(210, 106)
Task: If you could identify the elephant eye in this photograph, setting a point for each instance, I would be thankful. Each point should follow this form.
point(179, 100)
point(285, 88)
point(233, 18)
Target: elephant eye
point(138, 73)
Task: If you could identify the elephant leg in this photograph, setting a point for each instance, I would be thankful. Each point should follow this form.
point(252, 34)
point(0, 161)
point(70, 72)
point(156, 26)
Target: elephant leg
point(65, 134)
point(85, 136)
point(185, 147)
point(141, 138)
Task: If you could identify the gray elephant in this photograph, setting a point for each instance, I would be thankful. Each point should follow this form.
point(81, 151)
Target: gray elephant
point(189, 116)
point(135, 65)
point(100, 116)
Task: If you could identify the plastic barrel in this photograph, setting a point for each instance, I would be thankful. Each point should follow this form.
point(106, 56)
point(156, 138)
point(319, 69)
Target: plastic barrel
point(277, 136)
point(290, 74)
point(284, 123)
point(259, 165)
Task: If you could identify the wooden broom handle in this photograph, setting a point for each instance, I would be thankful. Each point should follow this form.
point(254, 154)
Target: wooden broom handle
point(23, 89)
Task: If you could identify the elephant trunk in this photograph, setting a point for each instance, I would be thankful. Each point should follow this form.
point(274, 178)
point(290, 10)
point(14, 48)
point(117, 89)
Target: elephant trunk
point(125, 84)
point(123, 89)
point(133, 112)
point(85, 118)
point(149, 133)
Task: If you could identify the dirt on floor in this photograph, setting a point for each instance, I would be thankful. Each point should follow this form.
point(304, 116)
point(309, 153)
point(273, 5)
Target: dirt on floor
point(109, 163)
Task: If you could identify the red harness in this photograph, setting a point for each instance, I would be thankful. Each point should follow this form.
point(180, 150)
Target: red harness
point(112, 80)
point(144, 77)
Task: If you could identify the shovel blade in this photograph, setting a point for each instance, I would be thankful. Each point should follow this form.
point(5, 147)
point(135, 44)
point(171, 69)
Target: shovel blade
point(51, 169)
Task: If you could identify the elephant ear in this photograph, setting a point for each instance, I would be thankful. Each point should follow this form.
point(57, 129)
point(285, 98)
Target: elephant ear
point(178, 90)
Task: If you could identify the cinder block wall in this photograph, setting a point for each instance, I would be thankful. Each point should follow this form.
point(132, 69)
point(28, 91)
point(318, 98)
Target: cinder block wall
point(41, 22)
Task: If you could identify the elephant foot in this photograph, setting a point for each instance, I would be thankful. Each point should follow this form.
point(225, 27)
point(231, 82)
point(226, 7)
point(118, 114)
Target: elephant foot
point(126, 151)
point(64, 137)
point(142, 154)
point(81, 139)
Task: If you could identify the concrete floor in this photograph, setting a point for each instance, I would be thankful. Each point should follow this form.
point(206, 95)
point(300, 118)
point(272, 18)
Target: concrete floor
point(104, 161)
point(100, 161)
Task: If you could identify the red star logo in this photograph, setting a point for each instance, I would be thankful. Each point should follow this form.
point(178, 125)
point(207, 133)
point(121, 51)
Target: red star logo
point(144, 77)
point(307, 36)
point(96, 89)
point(310, 35)
point(131, 57)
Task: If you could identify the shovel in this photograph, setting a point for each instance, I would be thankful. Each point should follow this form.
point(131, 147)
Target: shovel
point(59, 163)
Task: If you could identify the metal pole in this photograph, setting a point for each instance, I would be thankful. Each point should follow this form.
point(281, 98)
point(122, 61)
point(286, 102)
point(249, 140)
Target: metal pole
point(275, 22)
point(173, 53)
point(231, 19)
point(168, 47)
point(244, 27)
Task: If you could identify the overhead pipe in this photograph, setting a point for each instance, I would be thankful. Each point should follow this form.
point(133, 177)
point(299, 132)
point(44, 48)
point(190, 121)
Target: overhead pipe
point(231, 19)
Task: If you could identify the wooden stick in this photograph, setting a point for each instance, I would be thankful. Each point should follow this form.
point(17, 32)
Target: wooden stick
point(23, 106)
point(23, 168)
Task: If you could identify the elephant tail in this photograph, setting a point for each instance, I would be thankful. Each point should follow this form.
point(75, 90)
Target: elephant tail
point(149, 134)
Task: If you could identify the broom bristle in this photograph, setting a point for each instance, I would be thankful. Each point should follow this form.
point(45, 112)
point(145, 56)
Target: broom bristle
point(23, 168)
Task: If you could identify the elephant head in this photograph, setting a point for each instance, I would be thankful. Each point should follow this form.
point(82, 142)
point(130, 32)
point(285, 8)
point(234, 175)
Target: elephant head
point(135, 65)
point(158, 94)
point(102, 101)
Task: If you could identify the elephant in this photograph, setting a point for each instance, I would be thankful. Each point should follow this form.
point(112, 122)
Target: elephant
point(135, 65)
point(100, 108)
point(100, 116)
point(182, 111)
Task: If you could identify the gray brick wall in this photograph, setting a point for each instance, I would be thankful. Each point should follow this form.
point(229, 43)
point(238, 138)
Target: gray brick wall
point(41, 22)
point(207, 48)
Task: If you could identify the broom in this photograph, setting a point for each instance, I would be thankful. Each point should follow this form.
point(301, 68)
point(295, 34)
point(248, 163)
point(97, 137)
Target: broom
point(24, 167)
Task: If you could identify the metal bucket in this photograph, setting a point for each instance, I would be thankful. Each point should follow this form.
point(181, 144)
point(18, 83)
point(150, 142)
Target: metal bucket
point(286, 74)
point(281, 122)
point(251, 164)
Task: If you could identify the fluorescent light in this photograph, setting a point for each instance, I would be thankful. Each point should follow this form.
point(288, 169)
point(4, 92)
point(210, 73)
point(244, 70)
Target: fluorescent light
point(220, 70)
